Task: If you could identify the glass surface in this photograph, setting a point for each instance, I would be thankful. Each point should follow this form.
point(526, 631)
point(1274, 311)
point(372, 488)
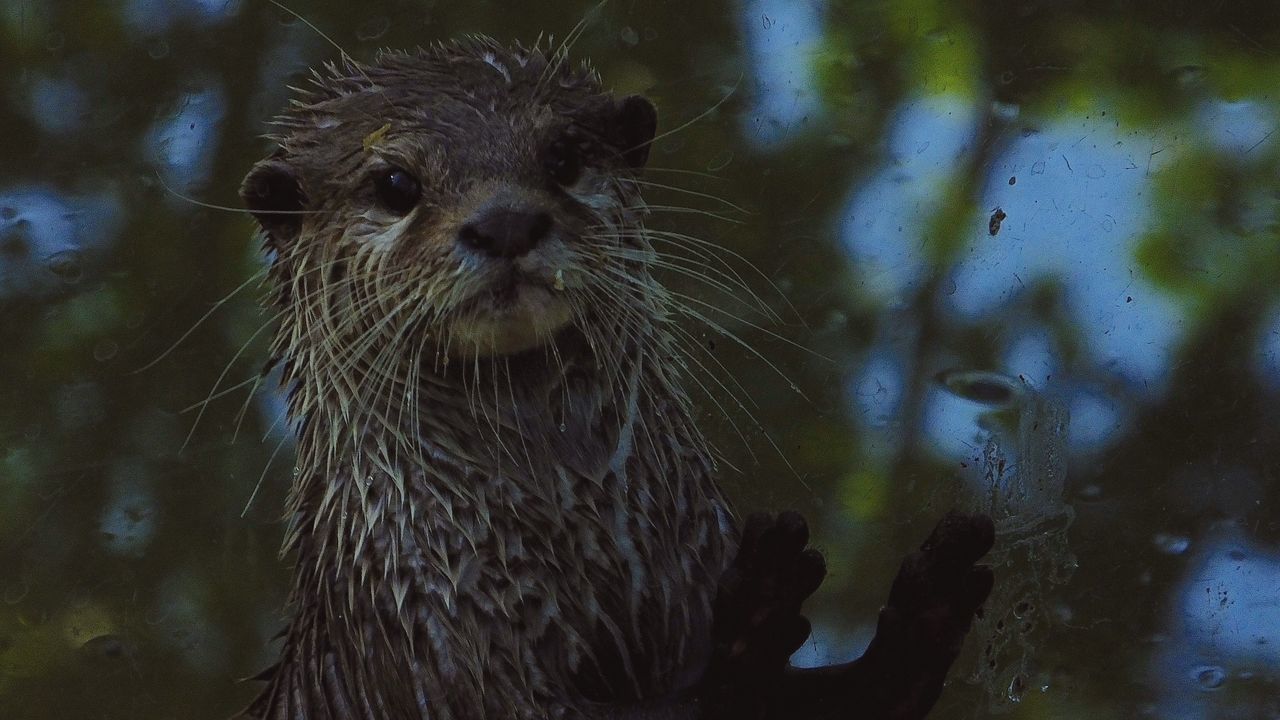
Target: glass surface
point(1015, 256)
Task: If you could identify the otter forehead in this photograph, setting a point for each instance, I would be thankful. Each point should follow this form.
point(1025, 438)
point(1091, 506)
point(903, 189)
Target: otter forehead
point(465, 77)
point(469, 104)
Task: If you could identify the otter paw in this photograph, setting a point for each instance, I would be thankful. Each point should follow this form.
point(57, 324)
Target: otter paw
point(938, 591)
point(758, 624)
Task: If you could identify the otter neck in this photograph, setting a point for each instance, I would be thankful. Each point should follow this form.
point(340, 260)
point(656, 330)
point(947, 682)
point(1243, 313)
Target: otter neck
point(440, 423)
point(555, 497)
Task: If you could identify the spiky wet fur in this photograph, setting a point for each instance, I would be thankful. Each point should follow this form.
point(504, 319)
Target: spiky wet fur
point(475, 534)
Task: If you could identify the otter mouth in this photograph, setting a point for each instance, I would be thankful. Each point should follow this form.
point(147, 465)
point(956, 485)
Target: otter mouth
point(507, 290)
point(512, 292)
point(516, 311)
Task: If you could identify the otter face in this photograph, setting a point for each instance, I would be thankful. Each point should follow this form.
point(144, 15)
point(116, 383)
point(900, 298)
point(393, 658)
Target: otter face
point(468, 195)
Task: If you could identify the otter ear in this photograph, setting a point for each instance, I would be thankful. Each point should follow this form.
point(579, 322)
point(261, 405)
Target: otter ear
point(635, 122)
point(274, 195)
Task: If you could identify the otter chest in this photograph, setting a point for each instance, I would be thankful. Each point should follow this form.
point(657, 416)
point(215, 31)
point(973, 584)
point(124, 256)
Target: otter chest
point(504, 590)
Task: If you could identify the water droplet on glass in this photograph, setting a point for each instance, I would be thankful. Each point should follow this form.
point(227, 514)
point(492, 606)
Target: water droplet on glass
point(979, 386)
point(105, 646)
point(1171, 544)
point(629, 36)
point(1064, 613)
point(1005, 111)
point(1092, 491)
point(1017, 686)
point(650, 33)
point(1209, 677)
point(105, 350)
point(158, 50)
point(1188, 75)
point(374, 28)
point(66, 265)
point(563, 427)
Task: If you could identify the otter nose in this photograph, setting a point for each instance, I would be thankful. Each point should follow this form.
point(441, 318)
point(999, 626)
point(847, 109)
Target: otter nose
point(505, 233)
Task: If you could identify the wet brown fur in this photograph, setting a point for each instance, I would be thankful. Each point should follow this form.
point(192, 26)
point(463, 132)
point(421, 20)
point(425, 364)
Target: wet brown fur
point(481, 528)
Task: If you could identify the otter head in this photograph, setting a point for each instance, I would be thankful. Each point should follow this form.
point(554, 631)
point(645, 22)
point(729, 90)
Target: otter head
point(477, 198)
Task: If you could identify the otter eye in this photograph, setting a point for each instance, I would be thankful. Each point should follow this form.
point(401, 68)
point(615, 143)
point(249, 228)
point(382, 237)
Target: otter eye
point(563, 163)
point(397, 190)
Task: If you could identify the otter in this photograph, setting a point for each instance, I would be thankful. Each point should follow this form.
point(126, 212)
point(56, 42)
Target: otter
point(502, 507)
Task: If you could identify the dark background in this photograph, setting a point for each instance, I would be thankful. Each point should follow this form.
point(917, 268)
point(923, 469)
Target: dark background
point(847, 158)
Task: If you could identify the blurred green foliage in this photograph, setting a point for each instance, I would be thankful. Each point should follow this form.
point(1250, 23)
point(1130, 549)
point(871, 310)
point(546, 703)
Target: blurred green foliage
point(165, 629)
